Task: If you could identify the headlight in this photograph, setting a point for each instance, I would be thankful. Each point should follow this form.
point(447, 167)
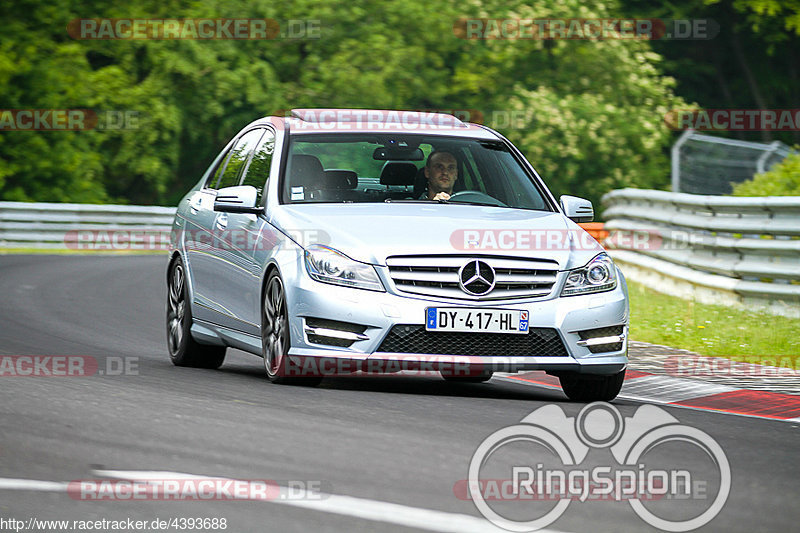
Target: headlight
point(331, 266)
point(598, 276)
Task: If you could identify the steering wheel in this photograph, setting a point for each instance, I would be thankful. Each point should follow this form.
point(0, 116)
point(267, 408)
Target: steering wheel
point(477, 197)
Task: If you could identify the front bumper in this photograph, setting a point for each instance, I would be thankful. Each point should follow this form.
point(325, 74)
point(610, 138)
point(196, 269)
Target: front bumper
point(372, 315)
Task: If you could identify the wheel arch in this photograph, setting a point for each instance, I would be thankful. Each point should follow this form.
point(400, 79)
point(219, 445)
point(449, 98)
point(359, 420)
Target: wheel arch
point(187, 273)
point(272, 266)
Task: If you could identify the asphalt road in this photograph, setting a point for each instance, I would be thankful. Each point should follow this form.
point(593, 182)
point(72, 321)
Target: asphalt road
point(393, 440)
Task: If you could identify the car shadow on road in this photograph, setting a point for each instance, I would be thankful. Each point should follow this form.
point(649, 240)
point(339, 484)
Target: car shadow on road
point(427, 385)
point(436, 386)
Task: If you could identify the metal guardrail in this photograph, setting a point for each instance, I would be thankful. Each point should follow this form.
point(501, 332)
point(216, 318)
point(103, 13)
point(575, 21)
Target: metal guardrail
point(57, 226)
point(729, 250)
point(716, 249)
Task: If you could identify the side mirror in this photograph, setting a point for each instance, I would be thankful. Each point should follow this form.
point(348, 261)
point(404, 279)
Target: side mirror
point(577, 209)
point(240, 199)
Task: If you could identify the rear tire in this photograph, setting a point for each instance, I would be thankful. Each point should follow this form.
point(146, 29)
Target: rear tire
point(275, 341)
point(591, 388)
point(183, 349)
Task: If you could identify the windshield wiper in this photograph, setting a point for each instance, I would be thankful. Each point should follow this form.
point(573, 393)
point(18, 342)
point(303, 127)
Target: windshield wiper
point(418, 201)
point(472, 203)
point(406, 201)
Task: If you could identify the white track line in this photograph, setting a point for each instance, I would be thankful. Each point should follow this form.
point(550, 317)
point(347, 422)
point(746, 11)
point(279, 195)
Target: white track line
point(32, 484)
point(363, 508)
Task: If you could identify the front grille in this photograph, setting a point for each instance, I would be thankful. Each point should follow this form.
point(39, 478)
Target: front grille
point(437, 275)
point(415, 339)
point(602, 332)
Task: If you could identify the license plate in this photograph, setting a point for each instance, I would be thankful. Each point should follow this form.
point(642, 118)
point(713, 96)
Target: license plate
point(459, 319)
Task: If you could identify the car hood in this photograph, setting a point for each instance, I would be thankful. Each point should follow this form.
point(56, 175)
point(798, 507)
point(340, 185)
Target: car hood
point(372, 232)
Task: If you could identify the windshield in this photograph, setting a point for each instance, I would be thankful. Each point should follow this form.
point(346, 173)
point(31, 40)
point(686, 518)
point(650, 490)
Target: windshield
point(406, 168)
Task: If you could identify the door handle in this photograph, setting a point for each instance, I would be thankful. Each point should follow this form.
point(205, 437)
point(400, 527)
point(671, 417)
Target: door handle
point(195, 203)
point(222, 221)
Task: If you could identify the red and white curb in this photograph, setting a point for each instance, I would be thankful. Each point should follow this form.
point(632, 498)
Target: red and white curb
point(689, 393)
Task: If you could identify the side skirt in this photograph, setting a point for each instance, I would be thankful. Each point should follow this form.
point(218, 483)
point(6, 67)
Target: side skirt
point(217, 335)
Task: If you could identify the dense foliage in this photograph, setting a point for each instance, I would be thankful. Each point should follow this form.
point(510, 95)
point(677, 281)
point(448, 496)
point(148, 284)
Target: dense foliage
point(782, 180)
point(588, 113)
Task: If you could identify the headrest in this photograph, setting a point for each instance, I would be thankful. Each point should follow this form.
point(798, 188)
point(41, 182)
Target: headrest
point(398, 173)
point(306, 171)
point(340, 179)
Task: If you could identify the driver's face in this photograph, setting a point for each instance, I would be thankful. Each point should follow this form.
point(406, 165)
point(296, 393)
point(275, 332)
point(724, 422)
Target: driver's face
point(441, 173)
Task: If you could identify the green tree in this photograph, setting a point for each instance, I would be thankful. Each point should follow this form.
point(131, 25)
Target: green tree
point(782, 180)
point(760, 11)
point(592, 111)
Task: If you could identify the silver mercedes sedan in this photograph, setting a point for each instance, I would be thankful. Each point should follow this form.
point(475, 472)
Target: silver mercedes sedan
point(350, 242)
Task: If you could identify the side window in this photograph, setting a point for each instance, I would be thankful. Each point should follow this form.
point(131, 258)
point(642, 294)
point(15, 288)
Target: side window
point(257, 172)
point(213, 180)
point(239, 153)
point(471, 175)
point(521, 195)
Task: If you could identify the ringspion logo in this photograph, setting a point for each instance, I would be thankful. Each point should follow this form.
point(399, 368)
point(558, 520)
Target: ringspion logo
point(649, 460)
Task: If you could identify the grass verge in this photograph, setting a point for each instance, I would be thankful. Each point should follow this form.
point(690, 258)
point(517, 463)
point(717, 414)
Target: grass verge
point(713, 330)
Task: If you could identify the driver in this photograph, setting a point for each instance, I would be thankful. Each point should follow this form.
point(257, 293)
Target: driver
point(441, 171)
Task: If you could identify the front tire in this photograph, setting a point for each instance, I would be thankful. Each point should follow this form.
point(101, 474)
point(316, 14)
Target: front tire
point(590, 388)
point(275, 341)
point(183, 349)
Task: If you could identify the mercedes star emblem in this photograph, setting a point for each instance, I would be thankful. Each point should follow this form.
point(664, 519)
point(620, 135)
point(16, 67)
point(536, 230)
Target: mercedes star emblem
point(476, 277)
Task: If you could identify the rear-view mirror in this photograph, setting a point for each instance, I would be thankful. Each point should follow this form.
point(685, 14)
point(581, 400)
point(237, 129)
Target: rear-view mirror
point(384, 153)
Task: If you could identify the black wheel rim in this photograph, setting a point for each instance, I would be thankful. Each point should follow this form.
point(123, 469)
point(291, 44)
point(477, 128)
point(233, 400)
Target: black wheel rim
point(274, 328)
point(176, 309)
